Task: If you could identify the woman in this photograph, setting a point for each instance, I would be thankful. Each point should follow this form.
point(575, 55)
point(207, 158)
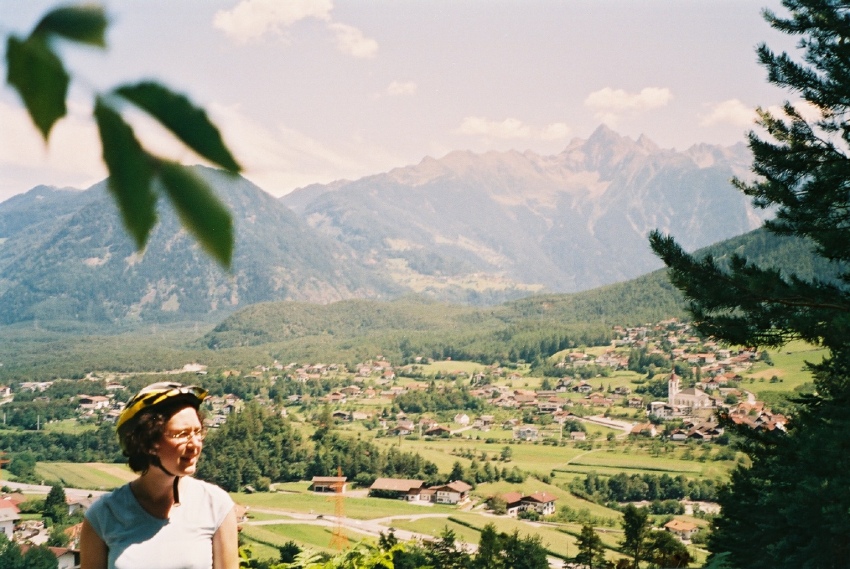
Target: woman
point(164, 519)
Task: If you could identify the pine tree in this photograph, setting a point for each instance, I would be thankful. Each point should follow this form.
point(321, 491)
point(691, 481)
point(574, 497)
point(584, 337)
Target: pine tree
point(789, 509)
point(635, 532)
point(591, 552)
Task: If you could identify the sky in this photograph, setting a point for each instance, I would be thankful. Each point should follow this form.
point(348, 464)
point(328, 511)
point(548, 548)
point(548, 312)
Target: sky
point(312, 91)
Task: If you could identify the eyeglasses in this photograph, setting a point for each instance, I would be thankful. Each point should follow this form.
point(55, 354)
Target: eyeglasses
point(183, 436)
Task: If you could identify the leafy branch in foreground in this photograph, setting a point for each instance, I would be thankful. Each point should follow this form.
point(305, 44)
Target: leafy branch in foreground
point(136, 176)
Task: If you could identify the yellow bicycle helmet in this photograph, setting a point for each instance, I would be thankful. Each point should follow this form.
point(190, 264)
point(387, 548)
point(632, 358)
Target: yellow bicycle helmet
point(157, 394)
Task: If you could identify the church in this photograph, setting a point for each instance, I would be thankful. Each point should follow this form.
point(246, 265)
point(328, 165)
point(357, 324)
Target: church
point(690, 398)
point(680, 402)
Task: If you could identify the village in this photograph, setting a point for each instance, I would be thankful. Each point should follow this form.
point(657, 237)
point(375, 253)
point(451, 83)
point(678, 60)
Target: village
point(598, 386)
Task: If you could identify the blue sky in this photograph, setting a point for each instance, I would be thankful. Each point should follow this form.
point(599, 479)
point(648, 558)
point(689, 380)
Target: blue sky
point(310, 91)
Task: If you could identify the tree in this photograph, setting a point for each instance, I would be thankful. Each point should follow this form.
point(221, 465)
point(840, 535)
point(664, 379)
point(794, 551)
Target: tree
point(789, 508)
point(590, 550)
point(635, 532)
point(445, 552)
point(506, 454)
point(489, 549)
point(10, 554)
point(523, 552)
point(55, 505)
point(136, 176)
point(40, 557)
point(665, 551)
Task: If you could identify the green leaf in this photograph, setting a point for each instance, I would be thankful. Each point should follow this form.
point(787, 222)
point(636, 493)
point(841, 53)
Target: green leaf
point(84, 24)
point(130, 172)
point(40, 78)
point(200, 210)
point(188, 122)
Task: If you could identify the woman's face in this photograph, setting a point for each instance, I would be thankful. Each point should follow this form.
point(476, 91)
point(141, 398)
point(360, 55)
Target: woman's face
point(181, 443)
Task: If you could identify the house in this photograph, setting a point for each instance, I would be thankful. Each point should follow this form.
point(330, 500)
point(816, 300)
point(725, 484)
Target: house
point(9, 516)
point(79, 505)
point(513, 503)
point(562, 416)
point(462, 419)
point(678, 435)
point(541, 502)
point(350, 391)
point(335, 484)
point(66, 558)
point(526, 433)
point(578, 436)
point(451, 493)
point(548, 406)
point(484, 422)
point(682, 529)
point(644, 429)
point(635, 402)
point(336, 397)
point(438, 431)
point(399, 488)
point(403, 428)
point(92, 402)
point(427, 422)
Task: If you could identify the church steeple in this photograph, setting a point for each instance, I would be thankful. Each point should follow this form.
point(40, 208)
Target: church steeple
point(674, 386)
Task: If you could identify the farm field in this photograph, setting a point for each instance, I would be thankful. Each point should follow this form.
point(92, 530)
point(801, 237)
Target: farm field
point(304, 501)
point(788, 366)
point(316, 538)
point(91, 476)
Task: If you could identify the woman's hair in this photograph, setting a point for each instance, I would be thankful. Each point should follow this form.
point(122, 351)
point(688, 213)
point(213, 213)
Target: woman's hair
point(140, 435)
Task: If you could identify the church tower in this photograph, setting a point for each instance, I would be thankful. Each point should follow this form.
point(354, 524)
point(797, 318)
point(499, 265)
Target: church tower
point(674, 386)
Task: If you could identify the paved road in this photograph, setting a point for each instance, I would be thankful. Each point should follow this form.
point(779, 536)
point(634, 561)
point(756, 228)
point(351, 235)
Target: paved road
point(73, 493)
point(624, 426)
point(370, 528)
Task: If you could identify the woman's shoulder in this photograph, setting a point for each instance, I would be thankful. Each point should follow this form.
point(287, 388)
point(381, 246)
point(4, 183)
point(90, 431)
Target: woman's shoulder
point(207, 488)
point(118, 495)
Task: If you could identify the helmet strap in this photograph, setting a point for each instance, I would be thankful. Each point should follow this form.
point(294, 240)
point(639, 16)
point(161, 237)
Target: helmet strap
point(174, 489)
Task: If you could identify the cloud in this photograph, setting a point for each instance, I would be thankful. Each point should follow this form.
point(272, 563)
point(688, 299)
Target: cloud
point(72, 157)
point(610, 104)
point(808, 111)
point(401, 88)
point(510, 128)
point(280, 159)
point(555, 131)
point(252, 19)
point(732, 112)
point(351, 41)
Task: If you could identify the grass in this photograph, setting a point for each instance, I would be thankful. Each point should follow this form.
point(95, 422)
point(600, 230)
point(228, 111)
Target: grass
point(68, 426)
point(317, 538)
point(354, 507)
point(91, 475)
point(565, 498)
point(436, 526)
point(788, 365)
point(451, 366)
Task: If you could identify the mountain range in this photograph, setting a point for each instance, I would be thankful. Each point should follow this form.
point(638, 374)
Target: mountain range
point(475, 228)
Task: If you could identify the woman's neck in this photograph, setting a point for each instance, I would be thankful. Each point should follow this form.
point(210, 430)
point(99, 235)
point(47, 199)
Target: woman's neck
point(154, 491)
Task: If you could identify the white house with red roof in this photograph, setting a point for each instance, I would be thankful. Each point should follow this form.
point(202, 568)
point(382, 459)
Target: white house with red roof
point(9, 516)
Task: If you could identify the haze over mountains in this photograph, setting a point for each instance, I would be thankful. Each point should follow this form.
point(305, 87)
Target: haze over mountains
point(466, 227)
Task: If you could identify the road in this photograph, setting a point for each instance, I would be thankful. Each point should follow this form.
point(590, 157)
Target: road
point(370, 528)
point(73, 493)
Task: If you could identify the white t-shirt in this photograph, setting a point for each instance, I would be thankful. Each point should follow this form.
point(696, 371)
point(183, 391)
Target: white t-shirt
point(137, 540)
